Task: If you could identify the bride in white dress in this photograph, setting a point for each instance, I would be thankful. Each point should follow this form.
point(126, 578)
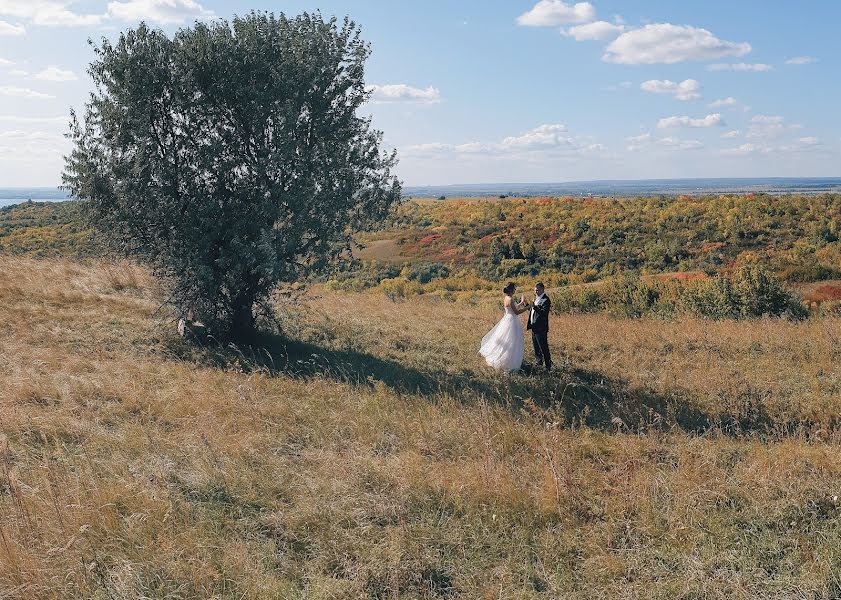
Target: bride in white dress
point(503, 345)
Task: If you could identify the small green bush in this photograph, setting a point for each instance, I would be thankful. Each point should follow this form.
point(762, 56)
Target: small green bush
point(426, 272)
point(362, 276)
point(578, 300)
point(751, 292)
point(758, 292)
point(712, 298)
point(510, 267)
point(629, 296)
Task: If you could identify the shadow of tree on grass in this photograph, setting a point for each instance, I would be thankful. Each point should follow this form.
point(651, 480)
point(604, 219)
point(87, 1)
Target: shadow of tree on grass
point(566, 396)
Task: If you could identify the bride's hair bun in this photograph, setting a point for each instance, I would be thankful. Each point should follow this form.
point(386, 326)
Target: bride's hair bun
point(509, 289)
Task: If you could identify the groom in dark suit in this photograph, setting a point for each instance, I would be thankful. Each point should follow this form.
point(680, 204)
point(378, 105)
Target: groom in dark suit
point(539, 326)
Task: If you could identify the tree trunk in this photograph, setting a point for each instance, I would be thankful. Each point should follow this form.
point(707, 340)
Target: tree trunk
point(242, 325)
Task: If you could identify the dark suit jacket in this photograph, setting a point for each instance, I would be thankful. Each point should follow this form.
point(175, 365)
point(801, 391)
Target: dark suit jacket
point(541, 323)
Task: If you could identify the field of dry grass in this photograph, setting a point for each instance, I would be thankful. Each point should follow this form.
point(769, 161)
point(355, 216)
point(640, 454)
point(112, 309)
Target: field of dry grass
point(365, 452)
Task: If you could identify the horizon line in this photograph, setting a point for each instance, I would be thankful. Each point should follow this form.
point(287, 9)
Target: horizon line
point(546, 183)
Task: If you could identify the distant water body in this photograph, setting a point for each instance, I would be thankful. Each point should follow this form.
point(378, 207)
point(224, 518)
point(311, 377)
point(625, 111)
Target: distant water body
point(634, 187)
point(623, 188)
point(39, 194)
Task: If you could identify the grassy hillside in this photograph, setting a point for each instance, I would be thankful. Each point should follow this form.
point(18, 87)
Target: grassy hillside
point(45, 229)
point(366, 452)
point(464, 244)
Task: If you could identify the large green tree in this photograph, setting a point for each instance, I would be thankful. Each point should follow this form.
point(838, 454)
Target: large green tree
point(232, 156)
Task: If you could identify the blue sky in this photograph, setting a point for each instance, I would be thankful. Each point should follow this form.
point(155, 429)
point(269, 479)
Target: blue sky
point(504, 90)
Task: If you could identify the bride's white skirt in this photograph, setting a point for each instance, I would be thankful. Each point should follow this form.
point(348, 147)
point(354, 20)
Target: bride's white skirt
point(503, 345)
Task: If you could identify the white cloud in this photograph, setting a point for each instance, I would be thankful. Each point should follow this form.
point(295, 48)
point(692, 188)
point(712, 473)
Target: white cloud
point(545, 136)
point(713, 120)
point(796, 147)
point(597, 30)
point(729, 101)
point(552, 139)
point(40, 120)
point(19, 92)
point(643, 137)
point(53, 73)
point(685, 90)
point(804, 144)
point(428, 149)
point(551, 13)
point(47, 12)
point(766, 126)
point(669, 44)
point(767, 119)
point(671, 142)
point(28, 136)
point(434, 149)
point(801, 60)
point(732, 134)
point(756, 67)
point(743, 150)
point(5, 63)
point(638, 142)
point(7, 28)
point(470, 147)
point(60, 13)
point(18, 73)
point(159, 11)
point(400, 92)
point(33, 148)
point(764, 131)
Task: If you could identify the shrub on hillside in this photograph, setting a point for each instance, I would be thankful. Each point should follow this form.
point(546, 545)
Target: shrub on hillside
point(426, 272)
point(712, 298)
point(629, 296)
point(510, 268)
point(46, 229)
point(363, 276)
point(758, 292)
point(751, 292)
point(809, 273)
point(578, 300)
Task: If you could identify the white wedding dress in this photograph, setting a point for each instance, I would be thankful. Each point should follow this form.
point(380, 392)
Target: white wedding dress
point(503, 345)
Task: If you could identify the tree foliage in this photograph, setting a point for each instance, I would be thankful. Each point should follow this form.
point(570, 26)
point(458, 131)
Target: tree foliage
point(232, 156)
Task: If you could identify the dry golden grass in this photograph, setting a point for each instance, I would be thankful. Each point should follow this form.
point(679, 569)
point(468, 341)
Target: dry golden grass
point(379, 459)
point(387, 251)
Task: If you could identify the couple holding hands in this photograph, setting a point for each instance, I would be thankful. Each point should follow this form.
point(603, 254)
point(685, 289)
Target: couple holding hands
point(503, 346)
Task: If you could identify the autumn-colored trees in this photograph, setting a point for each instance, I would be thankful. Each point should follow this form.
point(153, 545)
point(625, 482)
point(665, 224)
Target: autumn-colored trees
point(797, 237)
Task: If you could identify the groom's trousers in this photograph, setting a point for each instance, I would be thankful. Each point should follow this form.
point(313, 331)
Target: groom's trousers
point(540, 339)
